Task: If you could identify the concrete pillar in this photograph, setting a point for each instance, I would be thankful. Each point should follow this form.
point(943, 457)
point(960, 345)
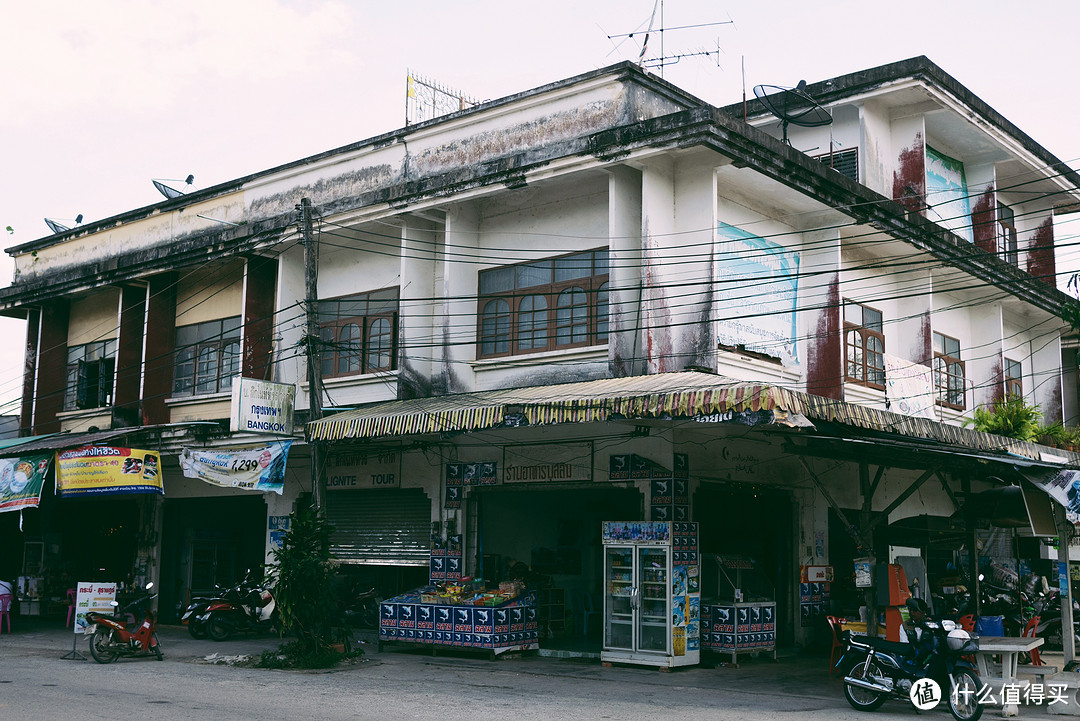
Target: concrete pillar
point(624, 275)
point(1046, 375)
point(129, 355)
point(417, 341)
point(455, 332)
point(657, 224)
point(260, 292)
point(30, 364)
point(984, 369)
point(160, 344)
point(820, 320)
point(52, 366)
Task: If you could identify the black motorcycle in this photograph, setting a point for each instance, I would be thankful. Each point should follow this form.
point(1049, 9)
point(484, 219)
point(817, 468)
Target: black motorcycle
point(247, 608)
point(196, 610)
point(889, 669)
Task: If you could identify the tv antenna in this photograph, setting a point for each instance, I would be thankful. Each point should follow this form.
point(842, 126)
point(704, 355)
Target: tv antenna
point(793, 106)
point(57, 227)
point(169, 191)
point(663, 60)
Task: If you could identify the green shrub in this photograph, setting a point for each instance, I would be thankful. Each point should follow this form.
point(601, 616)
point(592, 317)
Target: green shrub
point(1011, 417)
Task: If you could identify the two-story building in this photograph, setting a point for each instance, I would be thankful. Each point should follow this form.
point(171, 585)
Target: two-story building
point(535, 312)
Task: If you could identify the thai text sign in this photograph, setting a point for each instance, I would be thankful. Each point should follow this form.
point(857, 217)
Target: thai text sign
point(262, 406)
point(21, 481)
point(547, 463)
point(92, 596)
point(252, 468)
point(345, 471)
point(107, 470)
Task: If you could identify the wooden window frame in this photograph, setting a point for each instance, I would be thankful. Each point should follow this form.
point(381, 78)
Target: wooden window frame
point(858, 370)
point(189, 358)
point(338, 355)
point(501, 329)
point(1014, 383)
point(950, 374)
point(91, 373)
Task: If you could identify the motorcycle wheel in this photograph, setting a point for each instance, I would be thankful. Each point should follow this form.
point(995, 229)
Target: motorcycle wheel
point(964, 696)
point(196, 629)
point(157, 648)
point(101, 646)
point(218, 628)
point(862, 699)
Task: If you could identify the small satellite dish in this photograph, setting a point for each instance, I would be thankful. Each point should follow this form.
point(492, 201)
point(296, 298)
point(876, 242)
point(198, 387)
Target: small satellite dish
point(169, 191)
point(793, 106)
point(56, 227)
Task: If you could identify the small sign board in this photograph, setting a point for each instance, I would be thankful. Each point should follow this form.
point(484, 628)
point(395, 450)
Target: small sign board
point(262, 406)
point(92, 596)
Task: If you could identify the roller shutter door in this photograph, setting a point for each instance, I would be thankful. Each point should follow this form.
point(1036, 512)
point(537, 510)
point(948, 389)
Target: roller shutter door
point(380, 527)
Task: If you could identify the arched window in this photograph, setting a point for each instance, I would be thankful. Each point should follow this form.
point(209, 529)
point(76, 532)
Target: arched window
point(380, 345)
point(532, 319)
point(495, 328)
point(572, 317)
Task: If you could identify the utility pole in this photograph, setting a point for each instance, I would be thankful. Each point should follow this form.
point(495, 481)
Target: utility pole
point(314, 360)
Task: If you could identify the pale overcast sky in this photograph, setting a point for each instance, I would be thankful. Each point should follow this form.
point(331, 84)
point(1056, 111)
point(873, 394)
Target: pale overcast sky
point(100, 97)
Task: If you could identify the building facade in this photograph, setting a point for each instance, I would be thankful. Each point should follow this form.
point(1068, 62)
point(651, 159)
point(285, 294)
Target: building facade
point(793, 322)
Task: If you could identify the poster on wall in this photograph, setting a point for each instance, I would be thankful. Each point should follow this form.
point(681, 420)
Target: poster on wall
point(107, 470)
point(947, 199)
point(254, 468)
point(909, 388)
point(21, 481)
point(757, 291)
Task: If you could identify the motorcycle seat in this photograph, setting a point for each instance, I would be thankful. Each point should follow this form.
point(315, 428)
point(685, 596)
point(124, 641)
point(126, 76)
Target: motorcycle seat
point(898, 648)
point(108, 616)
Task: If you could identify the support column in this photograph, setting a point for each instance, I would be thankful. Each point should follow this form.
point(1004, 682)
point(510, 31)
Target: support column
point(52, 366)
point(821, 323)
point(417, 341)
point(160, 344)
point(260, 291)
point(455, 333)
point(30, 364)
point(129, 356)
point(624, 274)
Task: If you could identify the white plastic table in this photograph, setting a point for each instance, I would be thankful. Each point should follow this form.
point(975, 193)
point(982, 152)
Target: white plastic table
point(1009, 648)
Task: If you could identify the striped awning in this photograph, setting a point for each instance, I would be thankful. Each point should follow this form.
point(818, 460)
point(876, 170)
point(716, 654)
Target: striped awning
point(688, 394)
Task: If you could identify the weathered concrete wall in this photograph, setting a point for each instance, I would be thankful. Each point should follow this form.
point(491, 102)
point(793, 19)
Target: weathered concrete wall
point(95, 318)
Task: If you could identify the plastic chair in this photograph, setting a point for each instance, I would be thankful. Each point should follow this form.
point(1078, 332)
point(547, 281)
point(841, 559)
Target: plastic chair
point(1029, 632)
point(71, 606)
point(967, 622)
point(5, 611)
point(836, 625)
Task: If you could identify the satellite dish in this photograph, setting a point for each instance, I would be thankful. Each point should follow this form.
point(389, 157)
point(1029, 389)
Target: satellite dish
point(169, 191)
point(793, 106)
point(56, 227)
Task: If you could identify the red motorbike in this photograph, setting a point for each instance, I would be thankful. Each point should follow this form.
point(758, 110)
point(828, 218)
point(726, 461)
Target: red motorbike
point(113, 636)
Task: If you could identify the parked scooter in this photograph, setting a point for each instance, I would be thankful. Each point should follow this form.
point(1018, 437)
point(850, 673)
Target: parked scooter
point(361, 610)
point(197, 609)
point(112, 636)
point(888, 669)
point(248, 608)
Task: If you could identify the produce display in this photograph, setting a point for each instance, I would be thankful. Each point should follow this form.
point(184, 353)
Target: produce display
point(463, 614)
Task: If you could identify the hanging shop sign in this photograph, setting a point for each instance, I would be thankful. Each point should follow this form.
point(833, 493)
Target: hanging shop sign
point(909, 388)
point(548, 463)
point(349, 471)
point(21, 481)
point(107, 470)
point(262, 406)
point(253, 468)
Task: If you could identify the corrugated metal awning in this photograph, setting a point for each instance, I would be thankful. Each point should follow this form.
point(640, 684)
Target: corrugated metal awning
point(689, 394)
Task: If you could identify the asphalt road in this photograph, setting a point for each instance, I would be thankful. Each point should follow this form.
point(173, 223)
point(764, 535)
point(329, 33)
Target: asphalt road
point(37, 684)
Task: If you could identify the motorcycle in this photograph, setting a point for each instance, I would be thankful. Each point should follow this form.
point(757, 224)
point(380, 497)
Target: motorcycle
point(197, 609)
point(251, 610)
point(362, 609)
point(112, 636)
point(888, 670)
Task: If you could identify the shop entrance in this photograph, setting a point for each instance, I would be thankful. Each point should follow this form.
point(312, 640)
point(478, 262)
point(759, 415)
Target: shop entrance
point(757, 522)
point(555, 533)
point(208, 542)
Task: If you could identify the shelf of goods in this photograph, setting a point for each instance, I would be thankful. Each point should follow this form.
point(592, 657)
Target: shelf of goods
point(484, 621)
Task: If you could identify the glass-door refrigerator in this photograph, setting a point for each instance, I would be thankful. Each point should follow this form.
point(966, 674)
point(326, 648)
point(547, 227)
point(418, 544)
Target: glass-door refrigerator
point(652, 593)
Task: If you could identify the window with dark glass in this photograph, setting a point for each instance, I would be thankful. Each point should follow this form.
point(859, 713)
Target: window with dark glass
point(90, 371)
point(544, 305)
point(948, 371)
point(359, 333)
point(864, 345)
point(845, 162)
point(1014, 378)
point(207, 357)
point(1007, 234)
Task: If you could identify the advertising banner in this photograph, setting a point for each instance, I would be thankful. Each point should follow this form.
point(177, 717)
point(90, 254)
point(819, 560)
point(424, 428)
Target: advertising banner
point(21, 481)
point(253, 468)
point(947, 197)
point(91, 596)
point(757, 292)
point(107, 470)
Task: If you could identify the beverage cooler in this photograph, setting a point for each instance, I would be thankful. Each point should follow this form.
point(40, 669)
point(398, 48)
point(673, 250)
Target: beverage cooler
point(652, 593)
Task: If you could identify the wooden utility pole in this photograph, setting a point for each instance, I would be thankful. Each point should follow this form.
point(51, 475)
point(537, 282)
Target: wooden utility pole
point(314, 359)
